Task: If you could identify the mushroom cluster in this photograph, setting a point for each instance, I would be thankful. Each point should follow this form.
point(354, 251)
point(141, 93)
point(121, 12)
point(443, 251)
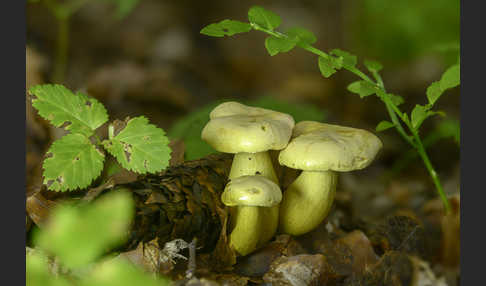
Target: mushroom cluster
point(257, 206)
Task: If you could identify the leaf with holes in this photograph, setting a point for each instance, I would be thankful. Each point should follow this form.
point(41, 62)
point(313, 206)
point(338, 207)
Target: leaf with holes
point(225, 28)
point(263, 18)
point(72, 162)
point(139, 146)
point(328, 66)
point(76, 112)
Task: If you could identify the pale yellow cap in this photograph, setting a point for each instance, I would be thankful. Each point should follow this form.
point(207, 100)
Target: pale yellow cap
point(321, 147)
point(234, 128)
point(253, 190)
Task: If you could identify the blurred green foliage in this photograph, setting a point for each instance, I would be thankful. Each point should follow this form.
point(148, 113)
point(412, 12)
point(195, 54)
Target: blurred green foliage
point(189, 128)
point(78, 236)
point(401, 30)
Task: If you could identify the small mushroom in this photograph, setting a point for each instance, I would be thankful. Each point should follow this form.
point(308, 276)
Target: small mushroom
point(249, 133)
point(250, 195)
point(320, 150)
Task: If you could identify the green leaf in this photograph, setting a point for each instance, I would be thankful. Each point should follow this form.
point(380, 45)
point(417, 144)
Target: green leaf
point(301, 36)
point(363, 88)
point(451, 77)
point(434, 91)
point(80, 234)
point(373, 66)
point(119, 272)
point(72, 162)
point(226, 28)
point(77, 112)
point(384, 125)
point(419, 114)
point(348, 59)
point(139, 146)
point(276, 45)
point(295, 36)
point(395, 99)
point(329, 66)
point(263, 18)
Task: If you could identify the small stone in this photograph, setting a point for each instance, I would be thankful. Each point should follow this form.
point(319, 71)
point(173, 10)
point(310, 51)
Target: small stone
point(298, 270)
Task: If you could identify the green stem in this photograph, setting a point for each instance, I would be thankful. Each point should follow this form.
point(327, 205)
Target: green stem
point(62, 49)
point(431, 170)
point(392, 109)
point(63, 13)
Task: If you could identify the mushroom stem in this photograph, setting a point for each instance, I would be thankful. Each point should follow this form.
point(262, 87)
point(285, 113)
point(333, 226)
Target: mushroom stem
point(269, 224)
point(307, 201)
point(249, 164)
point(246, 221)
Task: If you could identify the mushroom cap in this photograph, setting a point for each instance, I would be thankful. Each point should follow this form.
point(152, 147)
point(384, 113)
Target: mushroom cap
point(234, 128)
point(324, 147)
point(255, 190)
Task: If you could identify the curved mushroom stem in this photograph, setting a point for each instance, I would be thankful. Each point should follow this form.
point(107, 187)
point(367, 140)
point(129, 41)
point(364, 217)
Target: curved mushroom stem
point(260, 223)
point(307, 201)
point(247, 223)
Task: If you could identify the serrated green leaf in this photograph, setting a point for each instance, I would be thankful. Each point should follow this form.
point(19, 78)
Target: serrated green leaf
point(276, 45)
point(396, 99)
point(363, 88)
point(348, 59)
point(329, 66)
point(140, 147)
point(419, 114)
point(451, 77)
point(80, 234)
point(72, 162)
point(373, 66)
point(301, 35)
point(263, 18)
point(384, 125)
point(60, 106)
point(226, 28)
